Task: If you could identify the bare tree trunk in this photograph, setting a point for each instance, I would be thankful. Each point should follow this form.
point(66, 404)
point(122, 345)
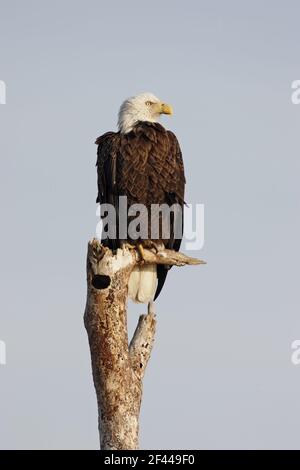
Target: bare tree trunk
point(118, 368)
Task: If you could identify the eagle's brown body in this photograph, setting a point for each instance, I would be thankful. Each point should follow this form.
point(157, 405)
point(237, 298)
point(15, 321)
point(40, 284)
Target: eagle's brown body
point(145, 165)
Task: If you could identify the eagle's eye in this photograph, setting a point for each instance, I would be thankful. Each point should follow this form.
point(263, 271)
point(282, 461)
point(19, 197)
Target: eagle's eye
point(148, 103)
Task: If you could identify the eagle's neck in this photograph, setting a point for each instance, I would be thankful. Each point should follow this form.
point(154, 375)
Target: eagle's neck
point(128, 121)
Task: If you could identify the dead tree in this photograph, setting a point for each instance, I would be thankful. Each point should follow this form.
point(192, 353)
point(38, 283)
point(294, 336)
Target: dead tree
point(118, 367)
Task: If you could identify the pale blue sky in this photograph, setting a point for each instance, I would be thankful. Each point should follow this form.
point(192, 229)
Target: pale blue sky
point(220, 375)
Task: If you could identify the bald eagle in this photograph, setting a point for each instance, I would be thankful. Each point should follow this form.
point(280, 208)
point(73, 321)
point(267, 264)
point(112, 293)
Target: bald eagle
point(143, 162)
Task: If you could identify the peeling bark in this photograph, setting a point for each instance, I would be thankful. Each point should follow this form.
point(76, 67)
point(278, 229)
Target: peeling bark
point(118, 368)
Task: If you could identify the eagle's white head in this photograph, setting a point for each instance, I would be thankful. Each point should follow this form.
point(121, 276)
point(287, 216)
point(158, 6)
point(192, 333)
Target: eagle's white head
point(143, 107)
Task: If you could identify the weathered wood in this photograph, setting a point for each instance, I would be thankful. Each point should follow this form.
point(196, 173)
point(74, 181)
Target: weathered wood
point(169, 257)
point(118, 368)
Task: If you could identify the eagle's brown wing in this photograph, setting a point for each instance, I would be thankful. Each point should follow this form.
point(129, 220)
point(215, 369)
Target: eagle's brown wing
point(108, 145)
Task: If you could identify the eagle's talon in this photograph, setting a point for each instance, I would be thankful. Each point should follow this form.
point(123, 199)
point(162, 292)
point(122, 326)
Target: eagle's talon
point(141, 252)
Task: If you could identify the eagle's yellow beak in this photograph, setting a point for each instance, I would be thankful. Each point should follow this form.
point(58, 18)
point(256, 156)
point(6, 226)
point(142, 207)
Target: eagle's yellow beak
point(166, 109)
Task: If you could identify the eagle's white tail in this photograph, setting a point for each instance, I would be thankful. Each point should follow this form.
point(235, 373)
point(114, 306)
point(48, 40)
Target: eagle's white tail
point(142, 283)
